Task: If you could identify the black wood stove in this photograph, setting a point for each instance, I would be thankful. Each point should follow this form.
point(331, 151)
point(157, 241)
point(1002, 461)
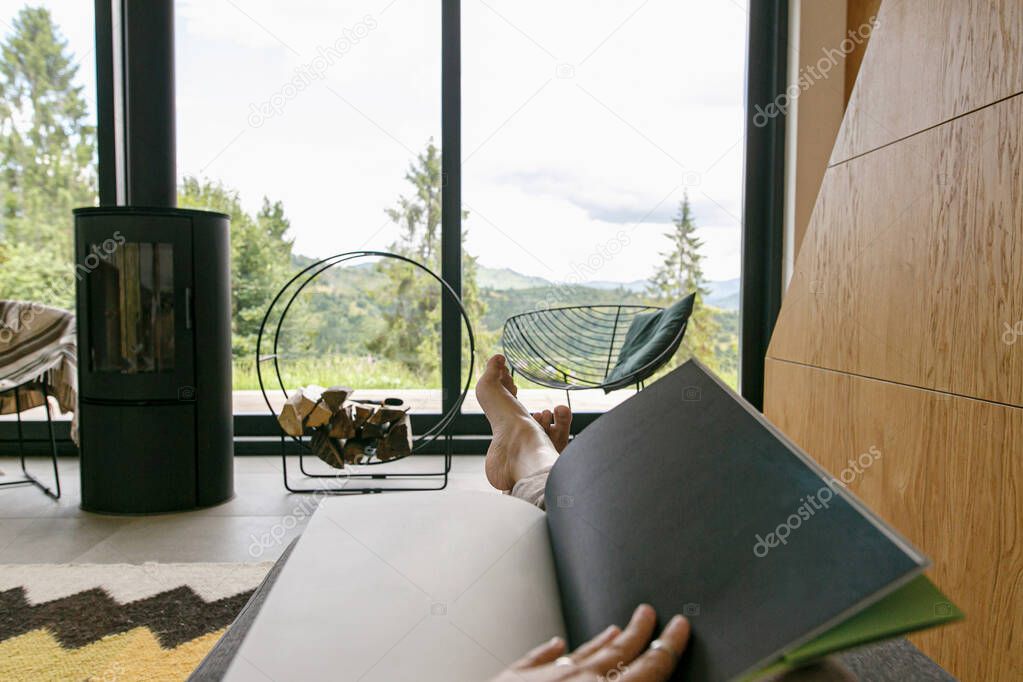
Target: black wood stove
point(154, 339)
point(153, 293)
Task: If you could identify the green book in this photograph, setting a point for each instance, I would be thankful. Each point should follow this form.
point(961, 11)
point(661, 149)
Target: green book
point(918, 605)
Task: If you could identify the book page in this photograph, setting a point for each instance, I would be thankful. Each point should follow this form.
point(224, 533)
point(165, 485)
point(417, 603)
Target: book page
point(403, 586)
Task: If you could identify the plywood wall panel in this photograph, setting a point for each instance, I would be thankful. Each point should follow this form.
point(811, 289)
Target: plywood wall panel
point(949, 477)
point(929, 61)
point(912, 266)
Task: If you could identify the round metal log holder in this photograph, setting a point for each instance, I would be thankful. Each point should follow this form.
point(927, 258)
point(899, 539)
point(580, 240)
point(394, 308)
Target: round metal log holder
point(351, 480)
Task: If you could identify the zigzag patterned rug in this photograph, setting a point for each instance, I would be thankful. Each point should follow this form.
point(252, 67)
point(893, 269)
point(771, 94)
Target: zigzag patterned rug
point(110, 622)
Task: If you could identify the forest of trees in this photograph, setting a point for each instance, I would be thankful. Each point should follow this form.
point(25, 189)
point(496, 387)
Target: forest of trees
point(376, 324)
point(47, 160)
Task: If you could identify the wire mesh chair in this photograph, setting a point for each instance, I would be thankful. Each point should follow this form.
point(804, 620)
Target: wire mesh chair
point(574, 348)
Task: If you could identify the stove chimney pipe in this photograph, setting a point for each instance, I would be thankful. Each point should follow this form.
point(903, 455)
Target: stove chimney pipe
point(135, 92)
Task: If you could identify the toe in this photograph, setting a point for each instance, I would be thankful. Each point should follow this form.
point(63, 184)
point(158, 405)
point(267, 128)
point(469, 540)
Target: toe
point(562, 425)
point(508, 382)
point(546, 426)
point(495, 365)
point(547, 417)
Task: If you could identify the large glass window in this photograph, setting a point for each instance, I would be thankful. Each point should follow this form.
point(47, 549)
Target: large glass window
point(47, 148)
point(602, 164)
point(601, 154)
point(316, 126)
point(47, 144)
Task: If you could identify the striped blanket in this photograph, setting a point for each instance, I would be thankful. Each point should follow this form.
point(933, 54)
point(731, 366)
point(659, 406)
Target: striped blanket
point(37, 344)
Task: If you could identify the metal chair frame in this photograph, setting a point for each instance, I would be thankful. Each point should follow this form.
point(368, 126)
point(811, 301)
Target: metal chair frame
point(573, 348)
point(28, 478)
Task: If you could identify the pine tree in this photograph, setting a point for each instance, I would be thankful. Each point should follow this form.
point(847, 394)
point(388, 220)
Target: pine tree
point(412, 306)
point(680, 274)
point(47, 152)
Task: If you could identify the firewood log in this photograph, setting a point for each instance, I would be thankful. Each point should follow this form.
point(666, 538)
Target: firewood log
point(397, 442)
point(335, 396)
point(295, 410)
point(361, 412)
point(354, 450)
point(320, 415)
point(341, 423)
point(369, 431)
point(328, 449)
point(391, 410)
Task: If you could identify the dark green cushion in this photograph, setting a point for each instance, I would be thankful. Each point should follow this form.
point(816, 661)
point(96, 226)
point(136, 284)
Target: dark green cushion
point(649, 335)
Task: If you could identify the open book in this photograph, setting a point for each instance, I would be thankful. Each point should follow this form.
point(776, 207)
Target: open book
point(682, 496)
point(685, 497)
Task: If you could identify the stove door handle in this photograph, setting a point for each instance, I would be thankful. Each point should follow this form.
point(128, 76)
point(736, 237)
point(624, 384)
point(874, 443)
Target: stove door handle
point(188, 307)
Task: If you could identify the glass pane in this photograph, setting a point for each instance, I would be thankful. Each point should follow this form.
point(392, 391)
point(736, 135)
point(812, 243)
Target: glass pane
point(319, 133)
point(602, 167)
point(48, 155)
point(131, 308)
point(48, 150)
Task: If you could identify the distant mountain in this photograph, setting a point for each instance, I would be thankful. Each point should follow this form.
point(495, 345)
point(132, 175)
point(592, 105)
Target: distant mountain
point(635, 286)
point(506, 278)
point(724, 294)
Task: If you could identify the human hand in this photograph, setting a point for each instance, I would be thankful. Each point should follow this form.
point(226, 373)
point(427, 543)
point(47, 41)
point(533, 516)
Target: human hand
point(624, 651)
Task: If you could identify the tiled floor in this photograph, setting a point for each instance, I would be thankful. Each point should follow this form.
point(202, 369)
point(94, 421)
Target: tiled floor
point(254, 526)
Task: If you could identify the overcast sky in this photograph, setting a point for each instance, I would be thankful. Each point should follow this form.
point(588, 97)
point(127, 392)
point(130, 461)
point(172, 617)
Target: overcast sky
point(583, 122)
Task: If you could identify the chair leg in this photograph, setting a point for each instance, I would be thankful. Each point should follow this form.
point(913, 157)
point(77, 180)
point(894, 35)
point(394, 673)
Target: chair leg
point(21, 435)
point(29, 478)
point(53, 444)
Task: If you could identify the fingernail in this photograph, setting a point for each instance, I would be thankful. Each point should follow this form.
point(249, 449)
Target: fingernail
point(676, 619)
point(554, 640)
point(609, 629)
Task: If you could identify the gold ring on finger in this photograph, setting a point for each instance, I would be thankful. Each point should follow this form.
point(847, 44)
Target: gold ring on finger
point(661, 645)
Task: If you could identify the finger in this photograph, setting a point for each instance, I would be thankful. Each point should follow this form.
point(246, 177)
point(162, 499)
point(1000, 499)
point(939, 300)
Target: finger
point(628, 644)
point(548, 418)
point(594, 645)
point(541, 655)
point(657, 664)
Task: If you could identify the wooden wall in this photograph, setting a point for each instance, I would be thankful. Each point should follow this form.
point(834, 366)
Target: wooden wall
point(898, 328)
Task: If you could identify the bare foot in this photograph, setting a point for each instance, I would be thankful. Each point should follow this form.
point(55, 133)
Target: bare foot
point(520, 445)
point(556, 425)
